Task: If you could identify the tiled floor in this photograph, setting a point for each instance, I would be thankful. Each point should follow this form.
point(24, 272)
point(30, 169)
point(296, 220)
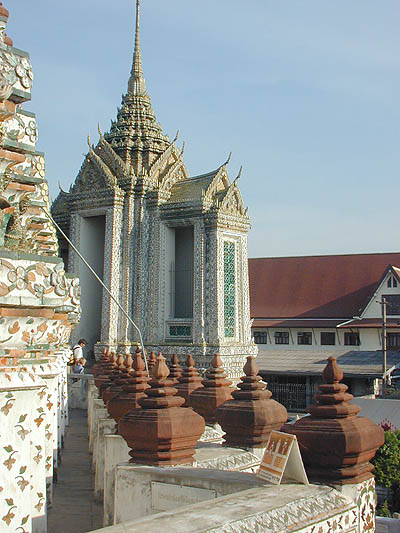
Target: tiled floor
point(73, 509)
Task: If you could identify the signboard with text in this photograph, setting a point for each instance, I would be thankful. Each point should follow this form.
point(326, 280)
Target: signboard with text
point(282, 460)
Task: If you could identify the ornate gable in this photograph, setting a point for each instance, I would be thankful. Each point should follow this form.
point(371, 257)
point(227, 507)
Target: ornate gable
point(232, 202)
point(168, 169)
point(112, 159)
point(219, 184)
point(60, 204)
point(163, 161)
point(174, 171)
point(91, 177)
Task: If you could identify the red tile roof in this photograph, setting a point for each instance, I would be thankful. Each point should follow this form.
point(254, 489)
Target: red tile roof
point(331, 286)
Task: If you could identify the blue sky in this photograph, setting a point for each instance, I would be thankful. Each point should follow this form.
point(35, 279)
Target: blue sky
point(305, 93)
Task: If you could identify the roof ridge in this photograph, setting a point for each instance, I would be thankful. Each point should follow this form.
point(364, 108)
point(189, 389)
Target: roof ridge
point(327, 255)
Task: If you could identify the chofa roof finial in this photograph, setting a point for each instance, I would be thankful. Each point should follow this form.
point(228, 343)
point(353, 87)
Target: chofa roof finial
point(176, 137)
point(238, 176)
point(228, 160)
point(61, 189)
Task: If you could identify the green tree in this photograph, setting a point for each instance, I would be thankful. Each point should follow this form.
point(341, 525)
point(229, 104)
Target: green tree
point(387, 469)
point(384, 510)
point(387, 460)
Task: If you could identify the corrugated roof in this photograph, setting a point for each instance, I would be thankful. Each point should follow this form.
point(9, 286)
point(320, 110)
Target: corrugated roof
point(312, 362)
point(379, 410)
point(332, 286)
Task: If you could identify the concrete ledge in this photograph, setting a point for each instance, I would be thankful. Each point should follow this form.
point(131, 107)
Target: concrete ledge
point(387, 525)
point(270, 508)
point(213, 455)
point(145, 490)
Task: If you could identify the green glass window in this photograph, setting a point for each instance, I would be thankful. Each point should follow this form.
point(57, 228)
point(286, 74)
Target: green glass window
point(229, 289)
point(180, 331)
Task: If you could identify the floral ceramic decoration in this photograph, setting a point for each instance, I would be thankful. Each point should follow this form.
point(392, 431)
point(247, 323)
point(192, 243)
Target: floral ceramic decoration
point(37, 462)
point(17, 397)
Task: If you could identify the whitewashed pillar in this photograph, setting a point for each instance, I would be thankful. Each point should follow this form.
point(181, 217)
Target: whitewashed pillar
point(49, 372)
point(364, 495)
point(19, 389)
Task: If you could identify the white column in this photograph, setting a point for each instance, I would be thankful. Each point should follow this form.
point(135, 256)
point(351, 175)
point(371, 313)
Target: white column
point(112, 264)
point(199, 283)
point(49, 372)
point(21, 452)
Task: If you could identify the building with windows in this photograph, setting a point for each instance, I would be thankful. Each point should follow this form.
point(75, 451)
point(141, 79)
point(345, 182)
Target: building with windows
point(171, 248)
point(305, 309)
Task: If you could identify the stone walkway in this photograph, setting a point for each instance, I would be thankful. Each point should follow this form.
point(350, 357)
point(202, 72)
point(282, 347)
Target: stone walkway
point(73, 509)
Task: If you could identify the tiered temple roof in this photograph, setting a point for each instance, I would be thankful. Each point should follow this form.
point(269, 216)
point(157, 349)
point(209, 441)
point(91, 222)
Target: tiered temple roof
point(136, 153)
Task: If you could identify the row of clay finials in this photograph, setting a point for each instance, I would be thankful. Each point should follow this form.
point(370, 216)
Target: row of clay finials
point(163, 415)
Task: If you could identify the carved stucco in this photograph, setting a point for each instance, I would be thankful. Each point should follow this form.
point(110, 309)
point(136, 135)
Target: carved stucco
point(328, 510)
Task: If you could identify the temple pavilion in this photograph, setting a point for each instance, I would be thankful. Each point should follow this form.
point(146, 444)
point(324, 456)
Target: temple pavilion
point(171, 248)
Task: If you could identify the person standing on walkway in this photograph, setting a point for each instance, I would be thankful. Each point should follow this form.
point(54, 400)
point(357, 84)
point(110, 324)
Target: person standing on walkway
point(77, 350)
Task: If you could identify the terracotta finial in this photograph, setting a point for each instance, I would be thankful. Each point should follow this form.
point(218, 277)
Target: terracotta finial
point(138, 363)
point(128, 362)
point(251, 368)
point(336, 445)
point(121, 361)
point(216, 390)
point(249, 418)
point(104, 372)
point(162, 432)
point(160, 369)
point(189, 381)
point(151, 362)
point(116, 380)
point(216, 361)
point(332, 373)
point(175, 369)
point(104, 360)
point(133, 387)
point(112, 386)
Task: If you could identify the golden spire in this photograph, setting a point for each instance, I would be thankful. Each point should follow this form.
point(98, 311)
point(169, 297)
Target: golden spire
point(136, 83)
